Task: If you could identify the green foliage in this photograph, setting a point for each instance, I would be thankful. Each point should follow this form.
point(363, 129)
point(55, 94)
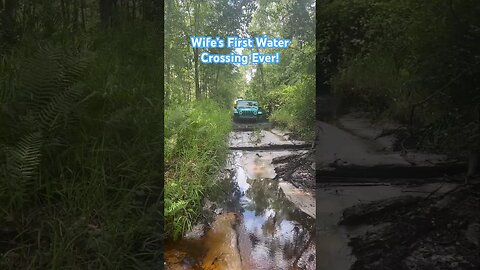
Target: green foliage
point(287, 90)
point(81, 146)
point(196, 126)
point(216, 18)
point(195, 148)
point(295, 108)
point(415, 62)
point(372, 82)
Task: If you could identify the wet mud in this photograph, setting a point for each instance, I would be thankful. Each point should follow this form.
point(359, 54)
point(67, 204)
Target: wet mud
point(441, 232)
point(336, 226)
point(377, 207)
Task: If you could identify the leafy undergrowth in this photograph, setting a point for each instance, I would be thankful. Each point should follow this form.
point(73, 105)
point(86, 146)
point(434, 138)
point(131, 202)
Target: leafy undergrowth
point(405, 62)
point(195, 148)
point(80, 153)
point(295, 108)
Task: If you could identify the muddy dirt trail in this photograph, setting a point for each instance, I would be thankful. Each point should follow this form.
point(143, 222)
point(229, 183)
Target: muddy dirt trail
point(362, 182)
point(333, 239)
point(268, 224)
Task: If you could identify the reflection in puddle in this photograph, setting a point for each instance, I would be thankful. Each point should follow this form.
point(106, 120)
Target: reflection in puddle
point(277, 230)
point(270, 232)
point(216, 250)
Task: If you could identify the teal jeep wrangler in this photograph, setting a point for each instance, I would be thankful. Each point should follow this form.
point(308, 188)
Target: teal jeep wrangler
point(247, 110)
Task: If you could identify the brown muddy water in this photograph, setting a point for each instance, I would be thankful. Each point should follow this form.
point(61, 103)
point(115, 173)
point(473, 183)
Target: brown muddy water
point(262, 229)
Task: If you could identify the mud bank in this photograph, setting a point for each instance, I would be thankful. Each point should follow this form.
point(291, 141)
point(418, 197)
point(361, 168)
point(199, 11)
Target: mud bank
point(304, 200)
point(434, 233)
point(353, 147)
point(333, 249)
point(296, 176)
point(379, 207)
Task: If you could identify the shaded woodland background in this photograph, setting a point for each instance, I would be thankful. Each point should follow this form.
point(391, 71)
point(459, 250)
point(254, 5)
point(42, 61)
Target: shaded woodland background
point(411, 62)
point(81, 137)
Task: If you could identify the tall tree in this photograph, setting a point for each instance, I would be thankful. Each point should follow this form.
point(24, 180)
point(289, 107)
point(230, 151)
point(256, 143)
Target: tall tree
point(198, 91)
point(8, 21)
point(106, 12)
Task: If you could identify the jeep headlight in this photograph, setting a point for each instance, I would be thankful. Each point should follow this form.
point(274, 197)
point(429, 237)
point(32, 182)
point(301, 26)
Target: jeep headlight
point(259, 112)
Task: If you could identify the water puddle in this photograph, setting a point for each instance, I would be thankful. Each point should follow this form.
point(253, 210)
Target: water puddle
point(280, 236)
point(262, 230)
point(216, 250)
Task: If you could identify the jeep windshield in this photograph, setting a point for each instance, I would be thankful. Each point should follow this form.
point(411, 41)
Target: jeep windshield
point(246, 104)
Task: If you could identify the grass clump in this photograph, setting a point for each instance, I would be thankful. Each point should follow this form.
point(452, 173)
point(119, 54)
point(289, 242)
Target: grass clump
point(195, 148)
point(295, 108)
point(80, 153)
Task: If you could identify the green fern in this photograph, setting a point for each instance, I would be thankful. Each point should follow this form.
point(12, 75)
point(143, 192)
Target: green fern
point(6, 89)
point(47, 79)
point(60, 105)
point(47, 86)
point(25, 156)
point(6, 93)
point(42, 77)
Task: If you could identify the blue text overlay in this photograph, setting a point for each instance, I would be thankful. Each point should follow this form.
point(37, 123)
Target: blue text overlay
point(233, 42)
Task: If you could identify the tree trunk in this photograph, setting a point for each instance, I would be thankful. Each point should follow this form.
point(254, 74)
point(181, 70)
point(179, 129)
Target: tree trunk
point(198, 92)
point(25, 18)
point(134, 10)
point(75, 15)
point(8, 21)
point(167, 77)
point(33, 23)
point(67, 13)
point(84, 23)
point(216, 78)
point(106, 10)
point(262, 77)
point(64, 16)
point(154, 9)
point(473, 160)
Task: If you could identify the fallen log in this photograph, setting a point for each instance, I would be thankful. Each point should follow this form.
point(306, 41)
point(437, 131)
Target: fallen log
point(250, 126)
point(390, 171)
point(361, 213)
point(272, 147)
